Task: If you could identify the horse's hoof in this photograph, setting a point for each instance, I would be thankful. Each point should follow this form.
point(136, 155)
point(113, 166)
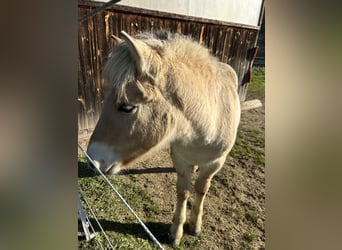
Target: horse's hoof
point(173, 242)
point(194, 231)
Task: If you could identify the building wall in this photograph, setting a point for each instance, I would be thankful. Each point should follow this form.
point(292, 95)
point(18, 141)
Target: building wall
point(236, 11)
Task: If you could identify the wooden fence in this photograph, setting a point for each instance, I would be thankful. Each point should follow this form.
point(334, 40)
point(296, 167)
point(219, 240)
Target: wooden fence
point(232, 43)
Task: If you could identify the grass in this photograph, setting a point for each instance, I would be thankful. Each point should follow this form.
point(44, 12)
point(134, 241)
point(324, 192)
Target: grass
point(252, 216)
point(238, 213)
point(257, 85)
point(249, 236)
point(121, 226)
point(250, 143)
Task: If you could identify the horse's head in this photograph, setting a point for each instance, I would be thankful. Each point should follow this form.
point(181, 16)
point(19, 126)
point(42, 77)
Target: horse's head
point(135, 115)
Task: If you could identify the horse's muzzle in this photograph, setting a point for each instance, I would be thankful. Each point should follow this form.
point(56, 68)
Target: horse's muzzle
point(103, 158)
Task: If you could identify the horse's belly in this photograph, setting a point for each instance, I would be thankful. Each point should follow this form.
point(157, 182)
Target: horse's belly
point(199, 155)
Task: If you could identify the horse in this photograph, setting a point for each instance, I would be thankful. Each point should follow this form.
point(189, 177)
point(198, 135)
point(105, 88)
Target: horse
point(166, 89)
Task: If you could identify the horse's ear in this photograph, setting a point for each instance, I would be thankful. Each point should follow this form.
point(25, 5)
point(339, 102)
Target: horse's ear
point(117, 40)
point(139, 51)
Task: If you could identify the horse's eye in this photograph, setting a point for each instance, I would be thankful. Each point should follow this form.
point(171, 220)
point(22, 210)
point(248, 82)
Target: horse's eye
point(127, 108)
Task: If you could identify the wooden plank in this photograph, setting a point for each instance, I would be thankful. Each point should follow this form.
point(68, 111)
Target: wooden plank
point(252, 104)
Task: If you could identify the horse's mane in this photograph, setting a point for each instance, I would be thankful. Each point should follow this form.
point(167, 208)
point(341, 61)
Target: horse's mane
point(121, 70)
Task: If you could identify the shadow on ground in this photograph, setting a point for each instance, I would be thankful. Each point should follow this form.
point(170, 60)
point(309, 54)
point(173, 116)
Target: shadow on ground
point(86, 171)
point(159, 230)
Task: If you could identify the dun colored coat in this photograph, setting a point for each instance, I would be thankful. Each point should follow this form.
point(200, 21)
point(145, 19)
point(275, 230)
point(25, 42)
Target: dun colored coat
point(165, 89)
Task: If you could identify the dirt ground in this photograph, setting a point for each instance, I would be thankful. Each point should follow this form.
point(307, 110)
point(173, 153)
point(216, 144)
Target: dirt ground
point(234, 209)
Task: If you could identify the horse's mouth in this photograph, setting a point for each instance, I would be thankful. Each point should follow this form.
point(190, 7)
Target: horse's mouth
point(113, 169)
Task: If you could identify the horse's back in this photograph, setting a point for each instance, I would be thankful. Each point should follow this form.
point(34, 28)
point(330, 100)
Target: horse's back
point(229, 74)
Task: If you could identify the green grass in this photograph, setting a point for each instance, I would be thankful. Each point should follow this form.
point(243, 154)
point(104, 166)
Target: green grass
point(257, 85)
point(120, 225)
point(252, 216)
point(250, 143)
point(250, 236)
point(238, 214)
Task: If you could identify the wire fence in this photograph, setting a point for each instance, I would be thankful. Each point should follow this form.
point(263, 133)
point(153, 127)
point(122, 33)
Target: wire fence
point(151, 236)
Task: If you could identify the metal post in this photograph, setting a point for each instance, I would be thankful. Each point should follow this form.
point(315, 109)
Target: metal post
point(85, 224)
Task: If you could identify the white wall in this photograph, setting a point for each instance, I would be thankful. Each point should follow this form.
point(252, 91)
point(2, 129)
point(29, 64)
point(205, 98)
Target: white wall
point(237, 11)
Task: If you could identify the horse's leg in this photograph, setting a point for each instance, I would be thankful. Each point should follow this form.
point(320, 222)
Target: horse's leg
point(202, 185)
point(183, 192)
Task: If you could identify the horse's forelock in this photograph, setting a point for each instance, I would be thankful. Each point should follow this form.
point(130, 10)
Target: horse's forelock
point(120, 69)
